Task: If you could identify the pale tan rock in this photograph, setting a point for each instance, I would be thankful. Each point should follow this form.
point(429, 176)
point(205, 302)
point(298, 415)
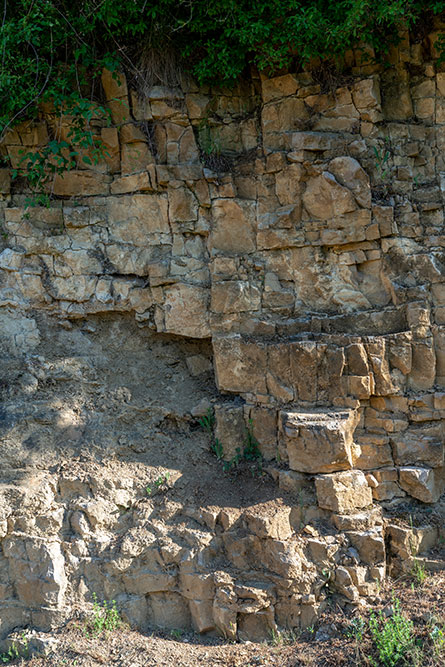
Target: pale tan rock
point(230, 429)
point(424, 108)
point(225, 620)
point(202, 615)
point(370, 545)
point(424, 446)
point(280, 117)
point(186, 310)
point(85, 182)
point(312, 141)
point(366, 94)
point(305, 359)
point(233, 231)
point(143, 582)
point(135, 157)
point(38, 569)
point(196, 105)
point(264, 427)
point(344, 584)
point(401, 355)
point(318, 441)
point(359, 522)
point(325, 198)
point(183, 205)
point(239, 365)
point(279, 86)
point(343, 491)
point(132, 183)
point(132, 218)
point(425, 484)
point(131, 133)
point(114, 84)
point(372, 450)
point(423, 370)
point(349, 173)
point(197, 586)
point(234, 296)
point(168, 610)
point(274, 524)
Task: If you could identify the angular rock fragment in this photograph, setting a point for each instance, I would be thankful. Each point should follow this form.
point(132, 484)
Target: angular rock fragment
point(425, 484)
point(343, 492)
point(318, 442)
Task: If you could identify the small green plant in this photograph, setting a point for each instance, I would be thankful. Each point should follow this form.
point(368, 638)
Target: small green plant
point(437, 636)
point(217, 448)
point(208, 421)
point(251, 445)
point(282, 637)
point(393, 637)
point(418, 573)
point(356, 629)
point(208, 424)
point(250, 454)
point(59, 156)
point(15, 652)
point(161, 480)
point(176, 633)
point(381, 162)
point(160, 483)
point(105, 618)
point(10, 655)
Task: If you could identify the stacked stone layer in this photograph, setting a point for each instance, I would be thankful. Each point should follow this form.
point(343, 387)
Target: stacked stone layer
point(301, 232)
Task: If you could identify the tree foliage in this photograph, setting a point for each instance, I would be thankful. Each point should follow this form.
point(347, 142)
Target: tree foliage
point(52, 51)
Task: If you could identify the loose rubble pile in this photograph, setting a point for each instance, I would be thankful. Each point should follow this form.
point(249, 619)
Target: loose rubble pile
point(286, 235)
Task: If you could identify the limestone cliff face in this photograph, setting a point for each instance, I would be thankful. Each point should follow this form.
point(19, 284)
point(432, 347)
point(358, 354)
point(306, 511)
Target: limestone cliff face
point(291, 239)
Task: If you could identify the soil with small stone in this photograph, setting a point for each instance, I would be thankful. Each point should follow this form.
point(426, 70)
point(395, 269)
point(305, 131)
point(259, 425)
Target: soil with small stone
point(329, 643)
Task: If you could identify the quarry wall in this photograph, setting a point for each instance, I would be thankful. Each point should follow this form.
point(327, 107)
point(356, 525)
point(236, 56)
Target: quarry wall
point(273, 252)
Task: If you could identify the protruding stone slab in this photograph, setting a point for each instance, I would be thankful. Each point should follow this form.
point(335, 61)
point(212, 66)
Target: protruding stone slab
point(186, 311)
point(318, 442)
point(343, 492)
point(424, 484)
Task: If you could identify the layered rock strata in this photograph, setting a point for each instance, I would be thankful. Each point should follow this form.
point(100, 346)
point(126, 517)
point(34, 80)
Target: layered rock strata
point(291, 238)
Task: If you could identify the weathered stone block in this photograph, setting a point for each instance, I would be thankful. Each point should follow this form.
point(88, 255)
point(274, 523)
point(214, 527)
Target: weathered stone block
point(423, 446)
point(265, 430)
point(168, 610)
point(85, 182)
point(240, 365)
point(233, 231)
point(370, 545)
point(350, 174)
point(278, 86)
point(234, 296)
point(230, 428)
point(318, 441)
point(272, 522)
point(424, 484)
point(133, 218)
point(186, 310)
point(325, 198)
point(343, 492)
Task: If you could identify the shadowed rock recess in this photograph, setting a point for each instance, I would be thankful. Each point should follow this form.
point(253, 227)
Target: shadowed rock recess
point(275, 252)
